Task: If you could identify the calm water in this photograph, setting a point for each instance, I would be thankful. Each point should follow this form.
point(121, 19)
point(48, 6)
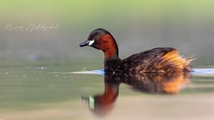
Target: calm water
point(41, 91)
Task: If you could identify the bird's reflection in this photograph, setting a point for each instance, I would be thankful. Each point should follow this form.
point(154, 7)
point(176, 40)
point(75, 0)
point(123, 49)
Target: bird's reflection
point(153, 83)
point(101, 104)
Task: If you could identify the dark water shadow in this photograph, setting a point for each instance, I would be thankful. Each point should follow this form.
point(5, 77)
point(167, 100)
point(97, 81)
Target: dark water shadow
point(151, 83)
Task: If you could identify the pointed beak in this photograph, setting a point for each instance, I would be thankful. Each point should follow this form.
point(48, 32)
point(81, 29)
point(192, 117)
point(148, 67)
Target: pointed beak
point(86, 43)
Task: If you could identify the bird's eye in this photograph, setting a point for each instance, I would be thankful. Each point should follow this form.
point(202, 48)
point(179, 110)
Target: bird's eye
point(95, 38)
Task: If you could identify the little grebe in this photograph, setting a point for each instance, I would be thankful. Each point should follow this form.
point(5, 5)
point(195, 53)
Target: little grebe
point(164, 60)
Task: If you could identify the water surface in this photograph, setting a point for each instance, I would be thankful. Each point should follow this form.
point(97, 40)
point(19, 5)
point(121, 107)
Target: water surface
point(41, 91)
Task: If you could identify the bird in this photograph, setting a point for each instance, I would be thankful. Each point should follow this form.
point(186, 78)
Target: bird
point(165, 60)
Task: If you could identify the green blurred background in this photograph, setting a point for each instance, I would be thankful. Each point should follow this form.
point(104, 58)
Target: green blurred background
point(35, 65)
point(137, 25)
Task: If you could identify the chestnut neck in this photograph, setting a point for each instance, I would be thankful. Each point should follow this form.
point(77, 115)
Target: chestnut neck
point(109, 47)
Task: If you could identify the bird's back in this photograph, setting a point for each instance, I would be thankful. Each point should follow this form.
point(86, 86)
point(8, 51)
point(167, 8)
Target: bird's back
point(164, 60)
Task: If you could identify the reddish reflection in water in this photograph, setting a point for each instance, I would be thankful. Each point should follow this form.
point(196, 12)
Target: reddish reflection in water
point(103, 103)
point(152, 83)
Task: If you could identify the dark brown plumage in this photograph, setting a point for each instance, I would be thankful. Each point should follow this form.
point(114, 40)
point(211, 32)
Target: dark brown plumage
point(157, 60)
